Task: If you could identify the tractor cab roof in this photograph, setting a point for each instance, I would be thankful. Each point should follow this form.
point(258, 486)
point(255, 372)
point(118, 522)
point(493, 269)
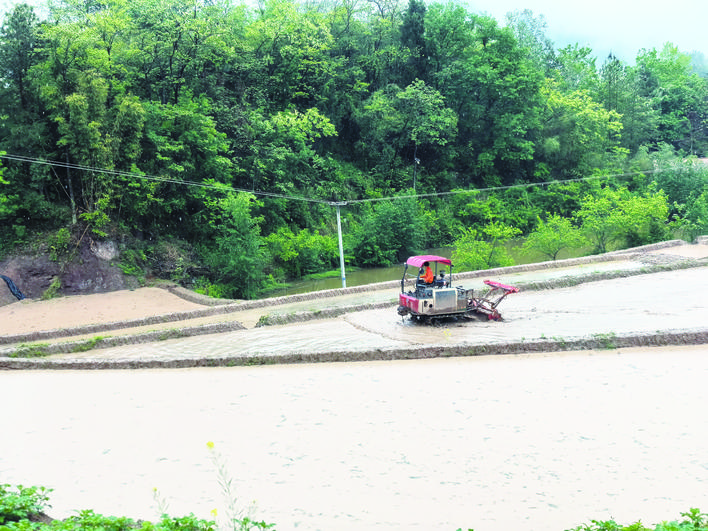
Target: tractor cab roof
point(418, 261)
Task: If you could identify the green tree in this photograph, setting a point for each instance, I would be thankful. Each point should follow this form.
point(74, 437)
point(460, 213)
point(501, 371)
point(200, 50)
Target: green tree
point(449, 35)
point(104, 134)
point(611, 215)
point(180, 143)
point(575, 69)
point(484, 248)
point(552, 236)
point(7, 209)
point(580, 134)
point(680, 96)
point(493, 87)
point(412, 38)
point(236, 257)
point(306, 252)
point(19, 45)
point(693, 216)
point(388, 233)
point(405, 121)
point(174, 46)
point(31, 191)
point(282, 158)
point(602, 218)
point(679, 177)
point(618, 90)
point(530, 33)
point(294, 47)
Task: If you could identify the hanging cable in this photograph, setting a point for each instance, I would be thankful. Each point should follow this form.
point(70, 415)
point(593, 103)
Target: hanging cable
point(225, 187)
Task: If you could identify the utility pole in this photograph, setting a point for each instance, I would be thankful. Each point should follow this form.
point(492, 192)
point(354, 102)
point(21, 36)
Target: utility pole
point(341, 246)
point(416, 161)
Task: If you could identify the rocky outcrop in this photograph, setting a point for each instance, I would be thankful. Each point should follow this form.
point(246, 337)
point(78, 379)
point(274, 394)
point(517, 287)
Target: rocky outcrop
point(91, 269)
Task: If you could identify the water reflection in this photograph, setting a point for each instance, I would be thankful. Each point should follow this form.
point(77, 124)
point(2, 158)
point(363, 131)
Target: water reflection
point(359, 277)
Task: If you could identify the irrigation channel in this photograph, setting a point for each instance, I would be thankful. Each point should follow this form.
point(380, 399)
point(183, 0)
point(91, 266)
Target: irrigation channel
point(533, 441)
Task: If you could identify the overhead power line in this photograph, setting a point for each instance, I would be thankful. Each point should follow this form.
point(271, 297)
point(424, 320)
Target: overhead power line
point(225, 187)
point(336, 204)
point(146, 177)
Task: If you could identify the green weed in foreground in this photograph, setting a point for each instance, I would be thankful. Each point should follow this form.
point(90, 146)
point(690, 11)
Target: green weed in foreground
point(22, 507)
point(694, 519)
point(234, 518)
point(17, 503)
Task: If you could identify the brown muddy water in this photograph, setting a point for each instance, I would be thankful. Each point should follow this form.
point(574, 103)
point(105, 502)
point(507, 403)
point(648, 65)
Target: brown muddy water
point(532, 442)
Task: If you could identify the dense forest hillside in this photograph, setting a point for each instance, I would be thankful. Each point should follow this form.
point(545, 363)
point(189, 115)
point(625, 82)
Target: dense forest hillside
point(213, 142)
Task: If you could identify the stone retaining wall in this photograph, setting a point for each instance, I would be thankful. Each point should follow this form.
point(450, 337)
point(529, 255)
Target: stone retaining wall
point(597, 342)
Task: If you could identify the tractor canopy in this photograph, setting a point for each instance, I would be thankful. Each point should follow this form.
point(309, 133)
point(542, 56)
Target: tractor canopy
point(418, 261)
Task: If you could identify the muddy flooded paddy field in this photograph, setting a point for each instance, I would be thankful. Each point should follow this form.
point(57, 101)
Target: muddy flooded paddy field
point(535, 442)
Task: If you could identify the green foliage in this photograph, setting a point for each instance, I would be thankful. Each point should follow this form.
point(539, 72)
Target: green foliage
point(35, 350)
point(579, 133)
point(236, 257)
point(59, 244)
point(483, 249)
point(21, 506)
point(98, 219)
point(389, 232)
point(18, 503)
point(612, 215)
point(552, 236)
point(693, 519)
point(89, 344)
point(297, 255)
point(133, 262)
point(406, 120)
point(679, 178)
point(693, 216)
point(665, 79)
point(204, 286)
point(52, 290)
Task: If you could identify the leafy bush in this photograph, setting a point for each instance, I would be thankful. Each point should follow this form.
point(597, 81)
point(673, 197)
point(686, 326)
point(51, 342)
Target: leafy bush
point(552, 236)
point(59, 244)
point(298, 254)
point(170, 258)
point(236, 258)
point(694, 519)
point(692, 219)
point(52, 290)
point(18, 503)
point(389, 232)
point(132, 262)
point(613, 215)
point(484, 249)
